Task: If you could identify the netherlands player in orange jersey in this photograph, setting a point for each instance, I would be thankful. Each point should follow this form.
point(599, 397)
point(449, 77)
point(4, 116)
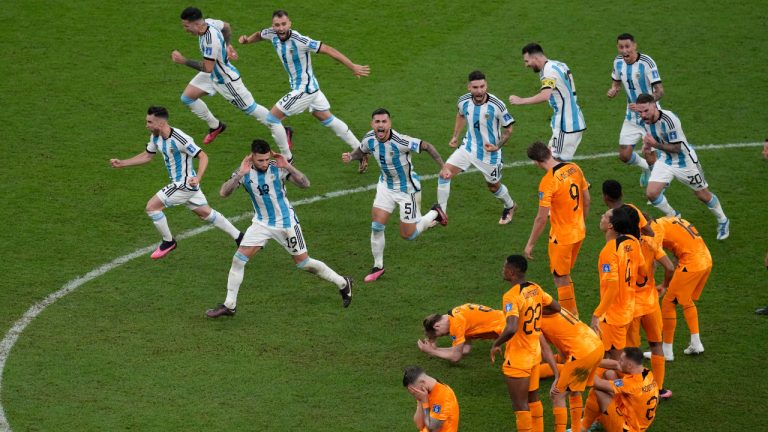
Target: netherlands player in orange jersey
point(613, 197)
point(582, 350)
point(463, 324)
point(564, 198)
point(617, 266)
point(436, 406)
point(694, 264)
point(626, 404)
point(523, 305)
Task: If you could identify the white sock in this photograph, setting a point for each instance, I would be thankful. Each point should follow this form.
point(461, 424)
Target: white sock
point(219, 221)
point(200, 109)
point(638, 161)
point(667, 348)
point(662, 204)
point(424, 223)
point(342, 131)
point(235, 279)
point(321, 269)
point(161, 223)
point(503, 195)
point(377, 244)
point(275, 127)
point(695, 340)
point(443, 191)
point(716, 209)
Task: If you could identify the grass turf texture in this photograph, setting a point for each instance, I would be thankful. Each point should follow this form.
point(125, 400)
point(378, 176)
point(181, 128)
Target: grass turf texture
point(132, 350)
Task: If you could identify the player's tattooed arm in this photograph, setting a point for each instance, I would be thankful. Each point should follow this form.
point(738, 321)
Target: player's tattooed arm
point(226, 32)
point(297, 177)
point(234, 182)
point(429, 148)
point(356, 154)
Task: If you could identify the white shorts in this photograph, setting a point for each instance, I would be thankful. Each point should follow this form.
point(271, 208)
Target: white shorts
point(693, 175)
point(234, 92)
point(297, 101)
point(410, 203)
point(178, 193)
point(564, 144)
point(291, 238)
point(460, 158)
point(631, 133)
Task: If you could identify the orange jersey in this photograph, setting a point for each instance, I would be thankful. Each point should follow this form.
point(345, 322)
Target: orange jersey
point(636, 398)
point(643, 221)
point(560, 190)
point(444, 406)
point(473, 321)
point(525, 301)
point(572, 337)
point(683, 240)
point(646, 296)
point(618, 264)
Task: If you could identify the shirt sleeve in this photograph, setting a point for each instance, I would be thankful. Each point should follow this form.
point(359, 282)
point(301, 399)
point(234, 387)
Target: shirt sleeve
point(459, 327)
point(615, 73)
point(609, 278)
point(267, 34)
point(546, 299)
point(306, 44)
point(548, 78)
point(414, 144)
point(364, 146)
point(652, 75)
point(210, 47)
point(505, 118)
point(151, 147)
point(545, 191)
point(191, 149)
point(510, 306)
point(219, 24)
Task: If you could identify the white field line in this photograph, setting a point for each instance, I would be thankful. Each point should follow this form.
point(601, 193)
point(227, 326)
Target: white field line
point(18, 327)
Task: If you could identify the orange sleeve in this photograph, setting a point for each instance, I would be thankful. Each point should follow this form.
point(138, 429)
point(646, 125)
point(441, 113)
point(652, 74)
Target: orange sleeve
point(546, 189)
point(457, 329)
point(609, 278)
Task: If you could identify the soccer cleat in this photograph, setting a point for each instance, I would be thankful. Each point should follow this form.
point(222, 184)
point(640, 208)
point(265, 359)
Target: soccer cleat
point(220, 310)
point(724, 229)
point(363, 164)
point(239, 238)
point(665, 394)
point(441, 218)
point(374, 274)
point(346, 292)
point(694, 349)
point(164, 248)
point(644, 178)
point(507, 215)
point(668, 358)
point(289, 135)
point(213, 133)
point(762, 311)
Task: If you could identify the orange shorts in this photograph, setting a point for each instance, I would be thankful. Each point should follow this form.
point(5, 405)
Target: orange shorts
point(562, 258)
point(511, 371)
point(613, 421)
point(576, 373)
point(650, 322)
point(613, 336)
point(686, 286)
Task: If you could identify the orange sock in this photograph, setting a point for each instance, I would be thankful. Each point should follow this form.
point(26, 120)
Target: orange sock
point(561, 418)
point(591, 411)
point(537, 415)
point(567, 298)
point(669, 321)
point(577, 407)
point(523, 421)
point(657, 366)
point(692, 318)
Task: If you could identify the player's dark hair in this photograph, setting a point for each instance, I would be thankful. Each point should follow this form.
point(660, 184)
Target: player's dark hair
point(279, 13)
point(191, 14)
point(634, 354)
point(625, 220)
point(533, 48)
point(612, 189)
point(625, 36)
point(412, 373)
point(429, 325)
point(259, 146)
point(158, 111)
point(518, 262)
point(475, 75)
point(380, 111)
point(539, 152)
point(643, 98)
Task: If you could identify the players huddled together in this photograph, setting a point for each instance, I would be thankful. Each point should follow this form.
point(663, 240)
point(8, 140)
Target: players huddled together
point(602, 354)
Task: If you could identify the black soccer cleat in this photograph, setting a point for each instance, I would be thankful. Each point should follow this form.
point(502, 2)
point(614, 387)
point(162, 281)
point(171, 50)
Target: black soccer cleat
point(346, 292)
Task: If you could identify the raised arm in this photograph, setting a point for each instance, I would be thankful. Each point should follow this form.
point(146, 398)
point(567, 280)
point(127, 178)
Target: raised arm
point(230, 185)
point(202, 66)
point(454, 353)
point(358, 70)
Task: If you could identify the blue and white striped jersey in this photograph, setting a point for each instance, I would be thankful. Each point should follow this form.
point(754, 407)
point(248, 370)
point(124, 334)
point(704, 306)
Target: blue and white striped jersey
point(295, 55)
point(484, 123)
point(394, 158)
point(178, 151)
point(668, 130)
point(567, 115)
point(638, 77)
point(267, 192)
point(214, 47)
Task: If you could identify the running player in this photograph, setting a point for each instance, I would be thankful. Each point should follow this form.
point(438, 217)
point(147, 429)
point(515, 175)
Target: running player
point(463, 324)
point(399, 185)
point(437, 409)
point(294, 51)
point(558, 88)
point(674, 158)
point(179, 151)
point(490, 126)
point(263, 174)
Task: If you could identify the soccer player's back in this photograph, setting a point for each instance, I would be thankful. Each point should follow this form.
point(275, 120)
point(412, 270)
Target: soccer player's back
point(474, 321)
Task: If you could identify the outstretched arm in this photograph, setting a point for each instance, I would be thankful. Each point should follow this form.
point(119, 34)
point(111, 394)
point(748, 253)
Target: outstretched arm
point(454, 353)
point(139, 159)
point(230, 185)
point(252, 38)
point(356, 154)
point(358, 70)
point(542, 96)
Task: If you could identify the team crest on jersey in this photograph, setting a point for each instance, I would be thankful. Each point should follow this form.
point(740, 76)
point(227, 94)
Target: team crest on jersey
point(637, 76)
point(487, 116)
point(673, 135)
point(606, 268)
point(436, 409)
point(618, 383)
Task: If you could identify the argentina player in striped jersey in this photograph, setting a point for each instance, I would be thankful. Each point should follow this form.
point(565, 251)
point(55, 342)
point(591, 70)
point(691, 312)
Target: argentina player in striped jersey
point(637, 73)
point(179, 151)
point(218, 75)
point(263, 175)
point(672, 157)
point(490, 126)
point(398, 185)
point(294, 51)
point(558, 88)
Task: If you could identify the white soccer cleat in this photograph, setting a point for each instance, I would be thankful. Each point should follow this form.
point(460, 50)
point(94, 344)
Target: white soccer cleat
point(670, 357)
point(724, 229)
point(694, 349)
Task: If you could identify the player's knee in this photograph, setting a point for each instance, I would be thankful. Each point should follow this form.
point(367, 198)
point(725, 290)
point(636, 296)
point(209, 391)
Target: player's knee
point(625, 156)
point(444, 179)
point(411, 236)
point(493, 187)
point(186, 100)
point(377, 227)
point(239, 258)
point(155, 215)
point(653, 196)
point(326, 122)
point(272, 119)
